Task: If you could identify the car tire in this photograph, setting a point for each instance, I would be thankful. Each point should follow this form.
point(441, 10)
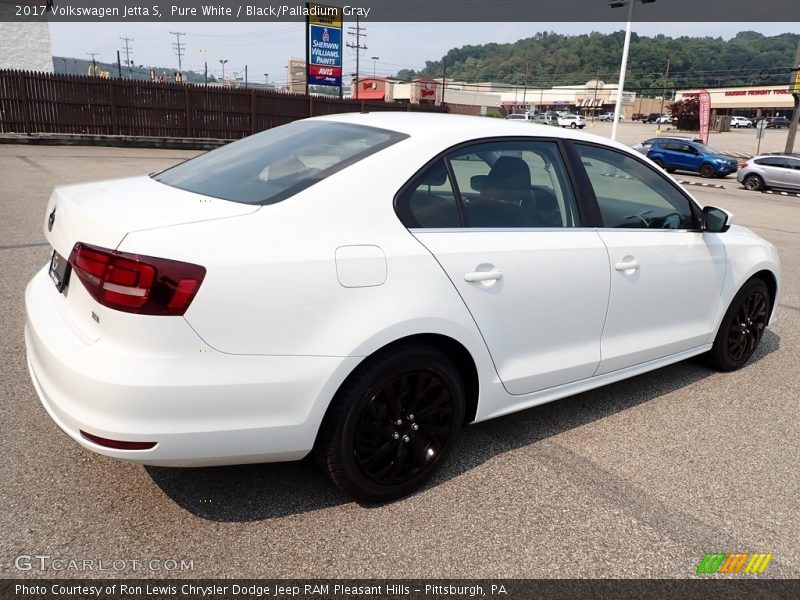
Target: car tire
point(572, 125)
point(707, 171)
point(670, 170)
point(736, 125)
point(659, 163)
point(392, 423)
point(742, 327)
point(753, 182)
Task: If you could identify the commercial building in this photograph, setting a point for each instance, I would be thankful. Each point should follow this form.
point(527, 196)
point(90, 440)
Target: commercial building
point(26, 47)
point(747, 101)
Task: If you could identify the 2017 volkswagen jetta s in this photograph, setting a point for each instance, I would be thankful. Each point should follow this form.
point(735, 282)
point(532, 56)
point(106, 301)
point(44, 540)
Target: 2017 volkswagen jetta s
point(361, 286)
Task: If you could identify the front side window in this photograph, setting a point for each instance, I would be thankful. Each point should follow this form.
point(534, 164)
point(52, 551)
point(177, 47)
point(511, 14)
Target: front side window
point(273, 165)
point(514, 184)
point(633, 195)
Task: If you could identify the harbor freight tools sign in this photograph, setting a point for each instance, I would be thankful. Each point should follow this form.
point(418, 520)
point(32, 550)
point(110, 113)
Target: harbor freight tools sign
point(324, 49)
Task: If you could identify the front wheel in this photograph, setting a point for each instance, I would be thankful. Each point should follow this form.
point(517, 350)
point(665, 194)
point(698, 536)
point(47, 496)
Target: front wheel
point(742, 327)
point(659, 162)
point(706, 171)
point(753, 183)
point(572, 125)
point(393, 423)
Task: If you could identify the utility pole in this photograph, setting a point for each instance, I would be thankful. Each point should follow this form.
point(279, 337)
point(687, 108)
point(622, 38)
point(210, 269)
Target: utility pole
point(663, 93)
point(444, 76)
point(594, 100)
point(525, 87)
point(245, 76)
point(94, 63)
point(795, 89)
point(128, 51)
point(356, 32)
point(178, 47)
point(119, 66)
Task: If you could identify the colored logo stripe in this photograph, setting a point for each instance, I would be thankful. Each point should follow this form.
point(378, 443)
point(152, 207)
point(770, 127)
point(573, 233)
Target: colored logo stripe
point(733, 563)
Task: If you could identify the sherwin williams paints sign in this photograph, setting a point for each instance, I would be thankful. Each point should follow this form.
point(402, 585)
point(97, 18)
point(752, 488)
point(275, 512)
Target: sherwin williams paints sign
point(324, 49)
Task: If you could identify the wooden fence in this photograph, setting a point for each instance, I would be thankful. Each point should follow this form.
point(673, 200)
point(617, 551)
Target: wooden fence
point(46, 103)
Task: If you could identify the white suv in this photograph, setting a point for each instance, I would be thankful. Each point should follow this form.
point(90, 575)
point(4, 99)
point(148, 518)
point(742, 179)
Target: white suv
point(572, 121)
point(741, 122)
point(520, 117)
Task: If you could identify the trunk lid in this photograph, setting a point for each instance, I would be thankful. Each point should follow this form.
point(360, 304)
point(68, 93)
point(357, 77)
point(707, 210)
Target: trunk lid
point(102, 213)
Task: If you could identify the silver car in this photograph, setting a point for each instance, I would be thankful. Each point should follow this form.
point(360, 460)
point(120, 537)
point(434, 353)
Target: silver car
point(777, 170)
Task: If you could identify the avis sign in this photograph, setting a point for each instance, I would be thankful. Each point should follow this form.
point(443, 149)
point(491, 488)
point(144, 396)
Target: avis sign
point(324, 48)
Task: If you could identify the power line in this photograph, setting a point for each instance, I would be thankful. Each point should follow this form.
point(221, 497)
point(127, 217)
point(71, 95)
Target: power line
point(356, 32)
point(178, 47)
point(128, 52)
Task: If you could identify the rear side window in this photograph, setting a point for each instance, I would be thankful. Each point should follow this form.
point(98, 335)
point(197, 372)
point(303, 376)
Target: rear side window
point(273, 165)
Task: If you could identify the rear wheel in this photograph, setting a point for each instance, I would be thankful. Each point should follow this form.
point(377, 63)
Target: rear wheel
point(393, 423)
point(573, 125)
point(753, 182)
point(742, 327)
point(659, 162)
point(706, 171)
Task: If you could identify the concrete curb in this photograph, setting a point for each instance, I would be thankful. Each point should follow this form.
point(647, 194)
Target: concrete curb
point(708, 185)
point(122, 141)
point(795, 194)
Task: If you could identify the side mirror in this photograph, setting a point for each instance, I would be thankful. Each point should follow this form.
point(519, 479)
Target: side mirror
point(476, 182)
point(716, 220)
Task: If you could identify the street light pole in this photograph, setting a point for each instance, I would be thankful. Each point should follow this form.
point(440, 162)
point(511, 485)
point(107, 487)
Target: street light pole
point(222, 62)
point(625, 48)
point(374, 60)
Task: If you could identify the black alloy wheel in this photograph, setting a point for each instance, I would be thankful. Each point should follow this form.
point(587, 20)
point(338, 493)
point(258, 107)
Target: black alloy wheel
point(753, 183)
point(706, 171)
point(742, 327)
point(392, 423)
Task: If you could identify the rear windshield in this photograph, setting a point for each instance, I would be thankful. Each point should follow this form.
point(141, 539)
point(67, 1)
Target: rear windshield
point(273, 165)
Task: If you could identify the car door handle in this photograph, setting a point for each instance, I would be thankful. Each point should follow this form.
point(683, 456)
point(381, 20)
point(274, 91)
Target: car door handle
point(493, 275)
point(627, 265)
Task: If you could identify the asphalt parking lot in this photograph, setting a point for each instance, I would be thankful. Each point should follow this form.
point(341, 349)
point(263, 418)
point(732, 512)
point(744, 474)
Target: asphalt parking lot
point(636, 479)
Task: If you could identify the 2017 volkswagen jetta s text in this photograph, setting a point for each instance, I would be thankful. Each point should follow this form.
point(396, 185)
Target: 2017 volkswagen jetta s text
point(361, 286)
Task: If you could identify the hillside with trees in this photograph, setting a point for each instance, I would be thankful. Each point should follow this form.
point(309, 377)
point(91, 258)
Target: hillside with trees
point(550, 59)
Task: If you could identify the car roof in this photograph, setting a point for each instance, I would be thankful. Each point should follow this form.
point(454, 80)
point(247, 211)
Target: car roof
point(451, 129)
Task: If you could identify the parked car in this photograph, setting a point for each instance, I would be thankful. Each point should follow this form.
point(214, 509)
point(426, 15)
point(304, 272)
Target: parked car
point(644, 147)
point(521, 117)
point(665, 119)
point(638, 117)
point(674, 155)
point(777, 170)
point(777, 122)
point(609, 116)
point(572, 121)
point(373, 286)
point(737, 122)
point(653, 117)
point(546, 119)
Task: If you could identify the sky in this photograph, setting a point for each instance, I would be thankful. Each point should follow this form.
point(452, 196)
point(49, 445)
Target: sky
point(266, 47)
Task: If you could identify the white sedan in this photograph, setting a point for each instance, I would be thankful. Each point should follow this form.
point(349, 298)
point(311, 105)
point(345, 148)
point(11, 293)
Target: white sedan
point(361, 286)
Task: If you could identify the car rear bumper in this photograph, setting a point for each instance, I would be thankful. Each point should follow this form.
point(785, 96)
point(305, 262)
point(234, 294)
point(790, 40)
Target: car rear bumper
point(201, 408)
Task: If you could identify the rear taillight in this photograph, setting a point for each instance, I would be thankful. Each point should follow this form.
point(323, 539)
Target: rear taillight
point(117, 444)
point(743, 165)
point(134, 283)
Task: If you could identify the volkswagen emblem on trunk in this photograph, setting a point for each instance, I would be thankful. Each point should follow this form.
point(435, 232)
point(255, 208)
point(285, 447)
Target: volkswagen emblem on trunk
point(51, 219)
